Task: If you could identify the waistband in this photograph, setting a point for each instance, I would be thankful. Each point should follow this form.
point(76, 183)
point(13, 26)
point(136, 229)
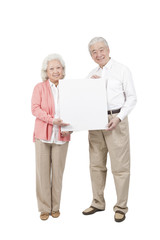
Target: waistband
point(114, 111)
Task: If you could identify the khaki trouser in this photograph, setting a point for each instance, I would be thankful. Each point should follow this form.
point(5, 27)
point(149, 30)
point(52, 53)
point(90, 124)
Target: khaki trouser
point(116, 142)
point(50, 163)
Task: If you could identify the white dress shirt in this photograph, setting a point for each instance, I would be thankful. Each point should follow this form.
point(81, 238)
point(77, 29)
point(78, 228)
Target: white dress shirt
point(119, 86)
point(55, 130)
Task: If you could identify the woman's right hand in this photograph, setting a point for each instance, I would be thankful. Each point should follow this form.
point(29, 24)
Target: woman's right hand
point(59, 122)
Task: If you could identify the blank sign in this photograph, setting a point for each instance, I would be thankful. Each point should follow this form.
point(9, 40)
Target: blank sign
point(83, 104)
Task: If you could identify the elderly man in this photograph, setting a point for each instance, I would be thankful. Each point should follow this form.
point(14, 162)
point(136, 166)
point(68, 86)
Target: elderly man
point(121, 99)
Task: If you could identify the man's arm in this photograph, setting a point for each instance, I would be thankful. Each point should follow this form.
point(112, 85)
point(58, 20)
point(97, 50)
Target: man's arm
point(130, 95)
point(130, 101)
point(113, 123)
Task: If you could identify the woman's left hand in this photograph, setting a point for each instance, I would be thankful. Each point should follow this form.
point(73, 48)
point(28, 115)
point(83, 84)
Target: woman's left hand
point(64, 134)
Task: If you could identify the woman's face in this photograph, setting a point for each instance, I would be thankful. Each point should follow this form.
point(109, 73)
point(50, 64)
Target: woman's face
point(55, 71)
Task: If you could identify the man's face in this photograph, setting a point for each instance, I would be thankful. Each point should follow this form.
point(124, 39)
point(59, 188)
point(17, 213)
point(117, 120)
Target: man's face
point(100, 53)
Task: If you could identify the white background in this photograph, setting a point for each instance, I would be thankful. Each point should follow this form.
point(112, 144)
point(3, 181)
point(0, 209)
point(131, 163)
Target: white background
point(30, 30)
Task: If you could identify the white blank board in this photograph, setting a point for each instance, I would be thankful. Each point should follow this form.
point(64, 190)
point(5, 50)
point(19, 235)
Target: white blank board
point(83, 104)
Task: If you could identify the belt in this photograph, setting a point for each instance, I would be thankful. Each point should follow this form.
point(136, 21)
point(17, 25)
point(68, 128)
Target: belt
point(114, 111)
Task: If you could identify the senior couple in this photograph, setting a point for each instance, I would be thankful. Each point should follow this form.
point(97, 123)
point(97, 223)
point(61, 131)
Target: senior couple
point(51, 143)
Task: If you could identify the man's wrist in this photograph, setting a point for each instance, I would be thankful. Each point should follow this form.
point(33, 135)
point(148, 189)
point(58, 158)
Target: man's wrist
point(119, 119)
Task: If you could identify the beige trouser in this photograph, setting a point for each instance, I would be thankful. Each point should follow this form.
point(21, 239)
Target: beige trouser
point(50, 163)
point(116, 142)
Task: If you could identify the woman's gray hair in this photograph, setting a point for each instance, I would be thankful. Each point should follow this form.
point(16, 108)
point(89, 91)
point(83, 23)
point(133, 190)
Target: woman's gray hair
point(51, 57)
point(95, 40)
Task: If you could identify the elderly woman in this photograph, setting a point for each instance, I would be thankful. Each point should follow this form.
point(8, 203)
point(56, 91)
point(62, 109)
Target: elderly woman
point(50, 143)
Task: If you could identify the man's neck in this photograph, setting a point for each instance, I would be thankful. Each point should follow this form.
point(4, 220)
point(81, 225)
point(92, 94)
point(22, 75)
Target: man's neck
point(105, 63)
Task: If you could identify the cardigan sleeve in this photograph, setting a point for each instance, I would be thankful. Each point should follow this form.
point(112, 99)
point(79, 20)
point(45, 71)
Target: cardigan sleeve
point(36, 109)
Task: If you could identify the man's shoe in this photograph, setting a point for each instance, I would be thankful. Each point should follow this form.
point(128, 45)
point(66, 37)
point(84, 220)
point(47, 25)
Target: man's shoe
point(91, 210)
point(55, 214)
point(119, 216)
point(44, 216)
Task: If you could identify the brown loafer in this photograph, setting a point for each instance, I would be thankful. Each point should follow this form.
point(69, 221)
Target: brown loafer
point(119, 216)
point(44, 216)
point(55, 214)
point(91, 210)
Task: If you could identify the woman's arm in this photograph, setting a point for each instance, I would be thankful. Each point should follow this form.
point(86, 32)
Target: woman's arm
point(36, 106)
point(41, 114)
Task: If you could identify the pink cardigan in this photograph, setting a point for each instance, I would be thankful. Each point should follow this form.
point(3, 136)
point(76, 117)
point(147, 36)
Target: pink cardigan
point(43, 109)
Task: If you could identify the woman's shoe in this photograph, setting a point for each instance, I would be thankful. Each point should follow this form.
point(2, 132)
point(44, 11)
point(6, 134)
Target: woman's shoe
point(55, 214)
point(44, 216)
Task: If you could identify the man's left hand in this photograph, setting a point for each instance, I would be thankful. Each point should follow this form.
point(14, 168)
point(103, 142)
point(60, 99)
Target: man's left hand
point(113, 123)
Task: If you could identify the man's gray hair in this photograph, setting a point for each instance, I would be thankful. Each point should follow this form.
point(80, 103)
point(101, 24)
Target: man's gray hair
point(95, 40)
point(51, 57)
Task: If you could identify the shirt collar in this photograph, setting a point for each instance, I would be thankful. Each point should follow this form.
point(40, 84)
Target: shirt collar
point(107, 66)
point(52, 84)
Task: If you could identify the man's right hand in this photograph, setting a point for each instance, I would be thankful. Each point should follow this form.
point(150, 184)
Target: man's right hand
point(95, 76)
